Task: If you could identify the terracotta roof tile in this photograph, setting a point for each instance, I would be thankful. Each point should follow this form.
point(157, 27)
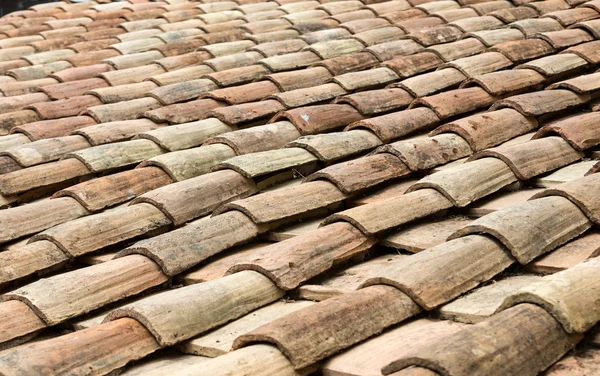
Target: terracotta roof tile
point(124, 186)
point(377, 101)
point(507, 82)
point(189, 163)
point(41, 175)
point(44, 129)
point(254, 166)
point(261, 138)
point(349, 63)
point(455, 50)
point(362, 173)
point(397, 124)
point(553, 101)
point(538, 328)
point(81, 73)
point(567, 255)
point(305, 350)
point(64, 107)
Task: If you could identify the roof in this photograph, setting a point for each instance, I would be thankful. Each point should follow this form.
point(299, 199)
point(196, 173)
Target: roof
point(284, 187)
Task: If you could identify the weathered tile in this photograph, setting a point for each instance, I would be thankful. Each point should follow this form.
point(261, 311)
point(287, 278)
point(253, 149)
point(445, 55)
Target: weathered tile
point(579, 131)
point(328, 319)
point(311, 95)
point(127, 110)
point(181, 249)
point(132, 75)
point(555, 64)
point(526, 240)
point(319, 118)
point(379, 35)
point(489, 129)
point(105, 133)
point(179, 113)
point(397, 124)
point(371, 356)
point(344, 280)
point(480, 64)
point(73, 88)
point(568, 255)
point(244, 93)
point(182, 91)
point(524, 50)
point(483, 302)
point(377, 217)
point(362, 173)
point(18, 318)
point(441, 273)
point(421, 236)
point(581, 193)
point(217, 266)
point(261, 138)
point(456, 102)
point(358, 26)
point(433, 82)
point(532, 26)
point(100, 193)
point(534, 157)
point(41, 175)
point(219, 342)
point(497, 36)
point(587, 51)
point(477, 180)
point(287, 81)
point(119, 154)
point(565, 38)
point(569, 296)
point(105, 352)
point(53, 128)
point(408, 66)
point(308, 197)
point(311, 253)
point(377, 101)
point(81, 236)
point(371, 78)
point(583, 84)
point(189, 163)
point(349, 63)
point(290, 61)
point(500, 201)
point(64, 107)
point(135, 274)
point(332, 146)
point(189, 199)
point(237, 76)
point(455, 50)
point(439, 149)
point(568, 173)
point(246, 113)
point(167, 317)
point(511, 81)
point(81, 73)
point(170, 362)
point(542, 102)
point(525, 338)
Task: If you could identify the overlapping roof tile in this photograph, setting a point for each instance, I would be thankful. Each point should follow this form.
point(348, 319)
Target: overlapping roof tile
point(420, 177)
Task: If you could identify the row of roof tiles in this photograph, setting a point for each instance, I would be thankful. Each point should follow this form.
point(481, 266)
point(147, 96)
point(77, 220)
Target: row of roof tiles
point(155, 211)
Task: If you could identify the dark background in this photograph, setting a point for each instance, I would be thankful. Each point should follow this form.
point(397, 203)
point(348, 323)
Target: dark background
point(7, 6)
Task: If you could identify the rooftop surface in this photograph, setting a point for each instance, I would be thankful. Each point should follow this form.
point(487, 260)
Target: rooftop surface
point(345, 188)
